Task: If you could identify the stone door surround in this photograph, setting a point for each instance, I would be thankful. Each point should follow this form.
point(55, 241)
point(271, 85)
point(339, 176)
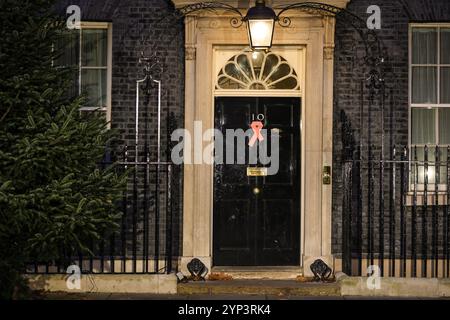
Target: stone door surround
point(205, 31)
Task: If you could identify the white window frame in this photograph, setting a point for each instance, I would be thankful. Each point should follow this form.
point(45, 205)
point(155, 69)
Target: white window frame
point(107, 26)
point(411, 105)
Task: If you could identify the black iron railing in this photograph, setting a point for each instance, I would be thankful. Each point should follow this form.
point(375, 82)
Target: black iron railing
point(147, 241)
point(396, 212)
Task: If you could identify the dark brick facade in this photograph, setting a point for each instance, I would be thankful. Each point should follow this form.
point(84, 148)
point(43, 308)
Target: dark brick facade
point(146, 25)
point(140, 26)
point(396, 16)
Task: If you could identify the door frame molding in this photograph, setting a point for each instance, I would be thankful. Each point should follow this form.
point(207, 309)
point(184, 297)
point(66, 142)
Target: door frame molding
point(206, 31)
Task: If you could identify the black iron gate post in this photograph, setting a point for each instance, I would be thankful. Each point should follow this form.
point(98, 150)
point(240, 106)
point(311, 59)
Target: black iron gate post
point(348, 173)
point(347, 217)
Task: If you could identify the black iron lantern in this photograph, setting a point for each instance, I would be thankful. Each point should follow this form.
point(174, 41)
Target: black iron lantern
point(260, 25)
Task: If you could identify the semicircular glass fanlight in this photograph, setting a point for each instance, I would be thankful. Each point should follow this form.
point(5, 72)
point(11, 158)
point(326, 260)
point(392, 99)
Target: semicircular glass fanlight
point(257, 71)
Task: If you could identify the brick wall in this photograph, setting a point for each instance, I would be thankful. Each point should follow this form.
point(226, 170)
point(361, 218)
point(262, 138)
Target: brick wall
point(143, 26)
point(395, 15)
point(140, 25)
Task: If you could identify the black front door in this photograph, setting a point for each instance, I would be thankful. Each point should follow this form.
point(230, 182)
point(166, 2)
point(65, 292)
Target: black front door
point(257, 218)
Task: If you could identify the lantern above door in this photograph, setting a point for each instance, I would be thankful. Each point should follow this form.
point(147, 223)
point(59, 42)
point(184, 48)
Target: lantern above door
point(260, 22)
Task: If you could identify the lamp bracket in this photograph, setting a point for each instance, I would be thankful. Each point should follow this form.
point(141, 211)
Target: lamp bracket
point(235, 22)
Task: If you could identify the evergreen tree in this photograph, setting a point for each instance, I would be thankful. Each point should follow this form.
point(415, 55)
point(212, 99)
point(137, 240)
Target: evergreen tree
point(54, 197)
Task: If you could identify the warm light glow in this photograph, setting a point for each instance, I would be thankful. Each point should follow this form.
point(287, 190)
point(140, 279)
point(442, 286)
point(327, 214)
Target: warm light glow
point(261, 33)
point(430, 175)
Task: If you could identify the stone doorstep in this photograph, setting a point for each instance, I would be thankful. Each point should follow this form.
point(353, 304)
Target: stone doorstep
point(260, 287)
point(106, 283)
point(395, 287)
point(167, 284)
point(259, 273)
point(344, 287)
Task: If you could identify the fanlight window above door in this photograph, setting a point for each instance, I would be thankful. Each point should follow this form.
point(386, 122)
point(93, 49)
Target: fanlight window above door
point(257, 71)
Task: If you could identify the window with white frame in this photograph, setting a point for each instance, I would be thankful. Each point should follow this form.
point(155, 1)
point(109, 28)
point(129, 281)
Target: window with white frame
point(429, 99)
point(88, 50)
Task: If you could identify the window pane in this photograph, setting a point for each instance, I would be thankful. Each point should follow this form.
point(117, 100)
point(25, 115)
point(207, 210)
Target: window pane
point(445, 46)
point(445, 85)
point(93, 85)
point(94, 47)
point(67, 46)
point(287, 84)
point(423, 126)
point(424, 171)
point(442, 165)
point(424, 46)
point(432, 175)
point(444, 126)
point(424, 85)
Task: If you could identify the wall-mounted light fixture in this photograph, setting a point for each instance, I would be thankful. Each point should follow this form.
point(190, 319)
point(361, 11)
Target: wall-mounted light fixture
point(260, 19)
point(260, 22)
